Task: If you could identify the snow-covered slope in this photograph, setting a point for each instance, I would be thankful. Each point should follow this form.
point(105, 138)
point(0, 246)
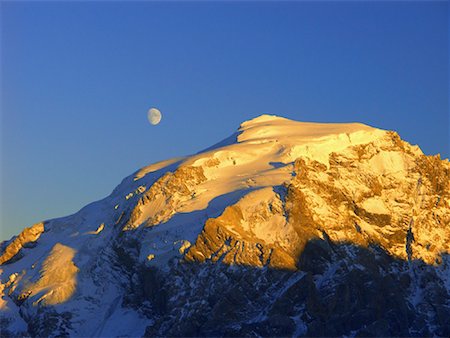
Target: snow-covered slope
point(256, 202)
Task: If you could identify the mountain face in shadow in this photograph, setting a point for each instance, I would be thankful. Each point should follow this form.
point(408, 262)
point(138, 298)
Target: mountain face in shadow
point(283, 229)
point(338, 289)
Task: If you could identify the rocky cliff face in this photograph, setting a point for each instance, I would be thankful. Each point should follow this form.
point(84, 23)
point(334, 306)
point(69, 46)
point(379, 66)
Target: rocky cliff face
point(283, 229)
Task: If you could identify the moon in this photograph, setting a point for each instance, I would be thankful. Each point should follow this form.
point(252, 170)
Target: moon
point(154, 116)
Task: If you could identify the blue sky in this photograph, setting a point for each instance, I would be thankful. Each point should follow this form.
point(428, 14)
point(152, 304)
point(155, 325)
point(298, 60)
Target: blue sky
point(79, 77)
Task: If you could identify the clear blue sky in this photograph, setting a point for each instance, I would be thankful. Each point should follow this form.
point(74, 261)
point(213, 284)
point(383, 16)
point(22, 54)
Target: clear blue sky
point(79, 77)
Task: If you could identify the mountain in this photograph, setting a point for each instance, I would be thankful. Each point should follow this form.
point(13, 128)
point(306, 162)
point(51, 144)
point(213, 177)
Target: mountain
point(283, 229)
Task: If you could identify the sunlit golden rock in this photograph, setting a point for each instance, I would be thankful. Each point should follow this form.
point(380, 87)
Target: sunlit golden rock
point(28, 235)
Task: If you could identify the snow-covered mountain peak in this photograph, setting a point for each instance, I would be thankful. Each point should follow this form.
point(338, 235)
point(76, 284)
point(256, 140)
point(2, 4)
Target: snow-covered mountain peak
point(261, 119)
point(262, 155)
point(267, 128)
point(260, 198)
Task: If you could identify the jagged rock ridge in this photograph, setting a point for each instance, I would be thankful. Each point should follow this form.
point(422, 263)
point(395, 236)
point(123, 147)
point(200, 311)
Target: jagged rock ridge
point(284, 228)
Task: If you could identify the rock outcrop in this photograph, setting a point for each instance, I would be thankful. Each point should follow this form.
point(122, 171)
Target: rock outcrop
point(26, 237)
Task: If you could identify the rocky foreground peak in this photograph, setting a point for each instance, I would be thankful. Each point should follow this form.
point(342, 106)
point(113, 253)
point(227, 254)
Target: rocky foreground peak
point(284, 228)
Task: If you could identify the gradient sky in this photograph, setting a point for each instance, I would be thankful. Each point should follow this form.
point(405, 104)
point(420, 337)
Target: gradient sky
point(79, 77)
